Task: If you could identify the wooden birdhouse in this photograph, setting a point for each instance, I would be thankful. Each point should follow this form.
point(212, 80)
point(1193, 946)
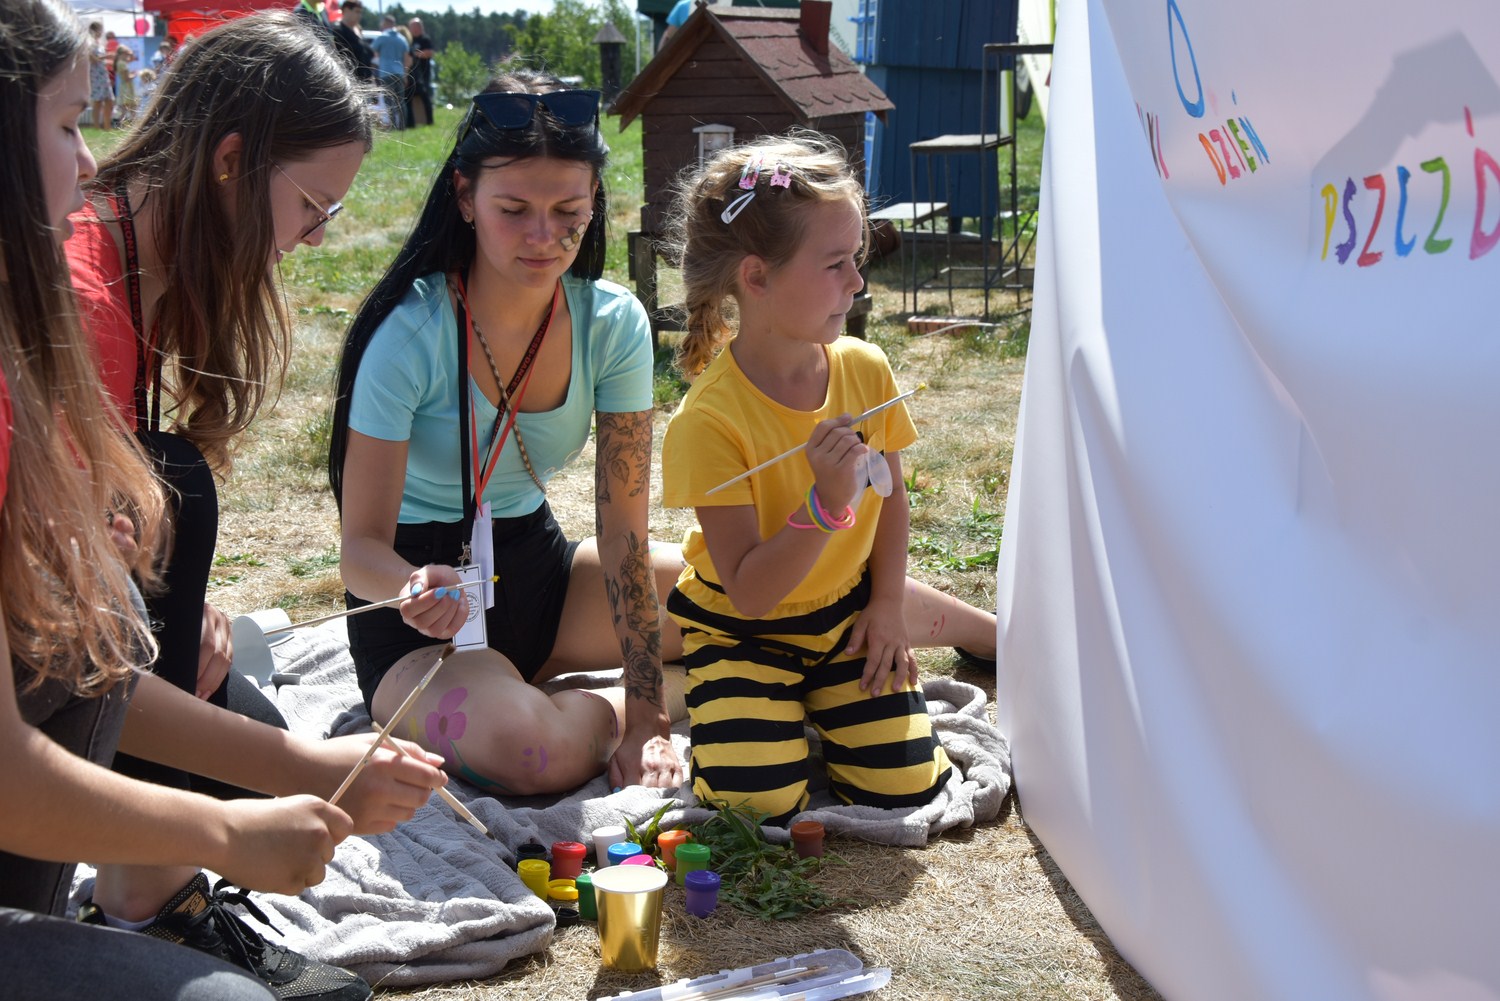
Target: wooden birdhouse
point(727, 75)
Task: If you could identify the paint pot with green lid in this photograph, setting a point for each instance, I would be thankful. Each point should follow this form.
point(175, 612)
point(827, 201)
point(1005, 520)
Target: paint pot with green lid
point(690, 858)
point(584, 884)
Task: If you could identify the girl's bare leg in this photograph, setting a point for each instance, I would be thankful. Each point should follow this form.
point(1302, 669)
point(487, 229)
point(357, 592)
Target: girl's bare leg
point(936, 619)
point(586, 638)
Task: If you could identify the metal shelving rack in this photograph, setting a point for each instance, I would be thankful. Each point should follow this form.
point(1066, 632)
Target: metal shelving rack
point(1002, 255)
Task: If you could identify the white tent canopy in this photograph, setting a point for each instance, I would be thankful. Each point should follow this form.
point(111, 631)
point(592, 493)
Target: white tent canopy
point(103, 6)
point(1249, 592)
point(118, 16)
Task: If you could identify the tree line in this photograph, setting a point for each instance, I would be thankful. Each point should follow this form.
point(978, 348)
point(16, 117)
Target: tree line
point(471, 46)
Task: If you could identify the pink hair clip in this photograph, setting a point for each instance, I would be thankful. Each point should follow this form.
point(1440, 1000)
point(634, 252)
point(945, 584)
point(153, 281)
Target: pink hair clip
point(749, 177)
point(751, 174)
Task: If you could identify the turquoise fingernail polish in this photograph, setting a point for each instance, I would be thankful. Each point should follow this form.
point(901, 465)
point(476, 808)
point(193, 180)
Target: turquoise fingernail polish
point(416, 589)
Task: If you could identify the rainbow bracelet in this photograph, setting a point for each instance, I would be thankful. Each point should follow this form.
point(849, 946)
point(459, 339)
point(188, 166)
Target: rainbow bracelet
point(822, 518)
point(798, 525)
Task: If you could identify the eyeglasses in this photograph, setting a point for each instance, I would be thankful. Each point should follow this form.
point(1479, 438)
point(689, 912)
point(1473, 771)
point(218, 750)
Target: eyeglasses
point(324, 215)
point(575, 108)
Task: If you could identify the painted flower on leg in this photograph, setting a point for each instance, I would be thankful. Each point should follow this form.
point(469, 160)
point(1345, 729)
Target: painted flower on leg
point(447, 724)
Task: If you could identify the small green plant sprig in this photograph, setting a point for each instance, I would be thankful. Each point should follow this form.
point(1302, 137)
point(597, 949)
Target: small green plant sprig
point(646, 835)
point(755, 876)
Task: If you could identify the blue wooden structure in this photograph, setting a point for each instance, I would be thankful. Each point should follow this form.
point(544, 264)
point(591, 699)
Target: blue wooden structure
point(927, 56)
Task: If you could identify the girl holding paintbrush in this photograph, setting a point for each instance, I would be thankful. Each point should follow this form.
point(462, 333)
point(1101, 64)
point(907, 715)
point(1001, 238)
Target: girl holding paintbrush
point(75, 639)
point(795, 600)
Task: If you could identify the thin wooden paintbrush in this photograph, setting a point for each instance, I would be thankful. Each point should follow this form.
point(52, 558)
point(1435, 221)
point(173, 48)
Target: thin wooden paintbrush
point(367, 608)
point(443, 793)
point(750, 986)
point(385, 731)
point(793, 451)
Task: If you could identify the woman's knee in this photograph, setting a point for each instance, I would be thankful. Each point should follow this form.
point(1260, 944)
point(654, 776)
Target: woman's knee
point(544, 744)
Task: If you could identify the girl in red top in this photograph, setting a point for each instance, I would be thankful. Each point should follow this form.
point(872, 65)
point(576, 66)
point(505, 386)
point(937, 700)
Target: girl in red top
point(243, 155)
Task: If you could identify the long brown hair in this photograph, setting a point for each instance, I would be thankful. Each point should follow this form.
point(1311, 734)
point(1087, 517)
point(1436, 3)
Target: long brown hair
point(68, 607)
point(224, 330)
point(770, 226)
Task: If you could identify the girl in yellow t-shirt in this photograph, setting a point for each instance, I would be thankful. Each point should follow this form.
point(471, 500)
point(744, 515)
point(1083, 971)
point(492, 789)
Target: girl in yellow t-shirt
point(795, 600)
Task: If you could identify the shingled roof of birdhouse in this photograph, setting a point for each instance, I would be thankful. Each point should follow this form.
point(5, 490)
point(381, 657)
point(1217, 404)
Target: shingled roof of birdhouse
point(788, 49)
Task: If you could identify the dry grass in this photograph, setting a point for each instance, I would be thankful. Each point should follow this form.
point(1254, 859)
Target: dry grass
point(982, 913)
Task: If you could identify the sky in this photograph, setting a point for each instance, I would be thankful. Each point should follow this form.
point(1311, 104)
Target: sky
point(122, 22)
point(487, 6)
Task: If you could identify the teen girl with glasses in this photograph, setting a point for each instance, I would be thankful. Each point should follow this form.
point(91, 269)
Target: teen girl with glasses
point(243, 156)
point(473, 372)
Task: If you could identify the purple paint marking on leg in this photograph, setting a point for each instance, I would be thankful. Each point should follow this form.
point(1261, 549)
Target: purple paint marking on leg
point(540, 754)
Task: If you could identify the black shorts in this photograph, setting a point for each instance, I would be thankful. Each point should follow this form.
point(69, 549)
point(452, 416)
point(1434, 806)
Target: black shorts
point(533, 560)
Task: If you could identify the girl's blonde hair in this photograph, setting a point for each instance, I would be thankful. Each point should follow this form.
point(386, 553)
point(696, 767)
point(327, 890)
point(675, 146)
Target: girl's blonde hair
point(68, 597)
point(770, 225)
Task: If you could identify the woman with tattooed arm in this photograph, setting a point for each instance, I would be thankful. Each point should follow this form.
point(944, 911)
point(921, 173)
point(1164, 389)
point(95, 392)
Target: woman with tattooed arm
point(471, 374)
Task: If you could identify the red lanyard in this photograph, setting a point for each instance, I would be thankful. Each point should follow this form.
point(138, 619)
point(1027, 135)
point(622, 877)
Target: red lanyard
point(484, 469)
point(144, 348)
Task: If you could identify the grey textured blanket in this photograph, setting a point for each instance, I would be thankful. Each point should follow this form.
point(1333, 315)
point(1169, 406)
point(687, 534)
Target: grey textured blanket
point(435, 900)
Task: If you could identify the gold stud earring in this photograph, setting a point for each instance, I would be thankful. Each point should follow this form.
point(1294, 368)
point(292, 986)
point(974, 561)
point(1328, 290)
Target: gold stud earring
point(223, 178)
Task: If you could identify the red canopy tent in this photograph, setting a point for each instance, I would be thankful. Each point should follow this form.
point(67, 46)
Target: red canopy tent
point(193, 17)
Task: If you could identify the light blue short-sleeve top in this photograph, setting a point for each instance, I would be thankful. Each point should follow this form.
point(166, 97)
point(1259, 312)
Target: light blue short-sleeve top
point(407, 390)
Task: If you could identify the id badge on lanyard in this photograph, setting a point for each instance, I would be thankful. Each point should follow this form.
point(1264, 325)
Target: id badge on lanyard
point(482, 551)
point(473, 634)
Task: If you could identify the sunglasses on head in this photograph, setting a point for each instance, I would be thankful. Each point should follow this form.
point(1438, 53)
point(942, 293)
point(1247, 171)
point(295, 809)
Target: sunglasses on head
point(575, 108)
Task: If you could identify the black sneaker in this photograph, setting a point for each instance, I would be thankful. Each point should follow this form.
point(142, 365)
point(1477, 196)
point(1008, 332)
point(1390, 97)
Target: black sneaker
point(201, 918)
point(973, 660)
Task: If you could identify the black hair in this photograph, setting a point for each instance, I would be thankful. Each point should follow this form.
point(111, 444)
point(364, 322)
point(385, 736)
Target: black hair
point(442, 242)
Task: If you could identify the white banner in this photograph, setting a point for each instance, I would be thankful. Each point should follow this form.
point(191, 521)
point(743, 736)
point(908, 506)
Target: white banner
point(1249, 593)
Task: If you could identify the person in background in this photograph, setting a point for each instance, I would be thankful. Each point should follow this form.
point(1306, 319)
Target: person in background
point(311, 11)
point(74, 639)
point(111, 45)
point(680, 12)
point(390, 54)
point(419, 107)
point(406, 62)
point(145, 86)
point(101, 96)
point(125, 95)
point(162, 57)
point(349, 42)
point(795, 605)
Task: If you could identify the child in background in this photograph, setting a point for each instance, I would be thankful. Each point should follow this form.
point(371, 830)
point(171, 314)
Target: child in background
point(145, 86)
point(795, 599)
point(125, 95)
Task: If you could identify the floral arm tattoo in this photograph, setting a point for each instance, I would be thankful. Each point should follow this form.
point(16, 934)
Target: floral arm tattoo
point(622, 478)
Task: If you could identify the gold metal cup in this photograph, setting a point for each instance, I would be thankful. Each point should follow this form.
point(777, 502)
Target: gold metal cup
point(628, 898)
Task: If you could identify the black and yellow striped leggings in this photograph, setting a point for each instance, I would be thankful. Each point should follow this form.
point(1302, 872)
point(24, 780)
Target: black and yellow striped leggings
point(751, 684)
